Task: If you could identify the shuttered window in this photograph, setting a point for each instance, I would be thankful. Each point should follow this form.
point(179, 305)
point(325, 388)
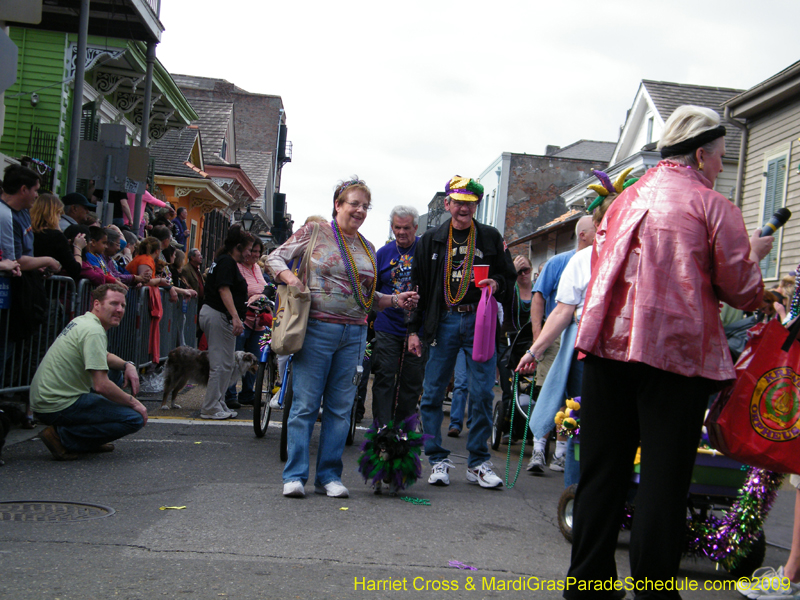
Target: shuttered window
point(773, 200)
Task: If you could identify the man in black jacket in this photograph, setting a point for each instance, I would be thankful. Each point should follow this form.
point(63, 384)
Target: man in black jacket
point(449, 299)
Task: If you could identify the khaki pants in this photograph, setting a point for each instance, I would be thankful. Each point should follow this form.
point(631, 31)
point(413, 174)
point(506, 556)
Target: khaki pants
point(547, 361)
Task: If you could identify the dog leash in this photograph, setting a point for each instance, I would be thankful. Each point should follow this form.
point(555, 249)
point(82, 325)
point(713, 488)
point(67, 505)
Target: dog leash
point(511, 431)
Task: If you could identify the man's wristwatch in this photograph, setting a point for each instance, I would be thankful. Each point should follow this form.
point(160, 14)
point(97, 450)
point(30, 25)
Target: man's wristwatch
point(130, 362)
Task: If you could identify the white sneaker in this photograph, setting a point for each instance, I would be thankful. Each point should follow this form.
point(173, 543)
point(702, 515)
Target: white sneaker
point(439, 472)
point(333, 489)
point(559, 463)
point(771, 584)
point(218, 416)
point(537, 463)
point(273, 402)
point(484, 476)
point(294, 489)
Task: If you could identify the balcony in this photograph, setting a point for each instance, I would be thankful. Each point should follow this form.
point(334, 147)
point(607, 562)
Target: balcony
point(123, 19)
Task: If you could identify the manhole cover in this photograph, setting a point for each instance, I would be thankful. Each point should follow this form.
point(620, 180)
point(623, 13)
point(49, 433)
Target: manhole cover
point(52, 512)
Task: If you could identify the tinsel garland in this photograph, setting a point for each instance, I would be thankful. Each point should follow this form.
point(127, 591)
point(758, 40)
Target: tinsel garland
point(390, 454)
point(729, 539)
point(264, 339)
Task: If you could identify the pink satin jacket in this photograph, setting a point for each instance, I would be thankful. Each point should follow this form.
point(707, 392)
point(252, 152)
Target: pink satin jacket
point(670, 248)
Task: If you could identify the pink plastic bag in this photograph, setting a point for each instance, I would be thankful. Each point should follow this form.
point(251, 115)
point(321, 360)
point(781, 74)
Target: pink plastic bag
point(483, 344)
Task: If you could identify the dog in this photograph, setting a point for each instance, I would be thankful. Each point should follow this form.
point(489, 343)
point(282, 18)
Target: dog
point(185, 364)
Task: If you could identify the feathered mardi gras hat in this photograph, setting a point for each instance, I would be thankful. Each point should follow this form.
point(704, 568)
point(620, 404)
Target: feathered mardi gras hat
point(464, 189)
point(607, 187)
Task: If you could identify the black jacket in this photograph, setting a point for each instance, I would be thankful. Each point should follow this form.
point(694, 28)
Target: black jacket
point(427, 272)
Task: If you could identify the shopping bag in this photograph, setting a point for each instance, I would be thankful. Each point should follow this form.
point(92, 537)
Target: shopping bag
point(755, 420)
point(483, 343)
point(294, 305)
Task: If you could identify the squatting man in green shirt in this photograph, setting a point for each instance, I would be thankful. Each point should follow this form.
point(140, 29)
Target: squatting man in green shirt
point(72, 392)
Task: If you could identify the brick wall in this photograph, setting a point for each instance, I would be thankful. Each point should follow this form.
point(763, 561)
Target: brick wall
point(534, 185)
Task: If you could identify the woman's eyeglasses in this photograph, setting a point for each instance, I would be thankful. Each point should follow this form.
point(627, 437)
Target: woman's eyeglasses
point(357, 205)
point(523, 271)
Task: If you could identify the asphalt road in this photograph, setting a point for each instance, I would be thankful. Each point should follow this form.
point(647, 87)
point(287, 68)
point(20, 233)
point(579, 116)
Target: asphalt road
point(238, 537)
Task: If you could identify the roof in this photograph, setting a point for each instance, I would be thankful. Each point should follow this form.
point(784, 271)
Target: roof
point(588, 150)
point(258, 166)
point(779, 88)
point(214, 117)
point(172, 152)
point(571, 215)
point(194, 82)
point(668, 96)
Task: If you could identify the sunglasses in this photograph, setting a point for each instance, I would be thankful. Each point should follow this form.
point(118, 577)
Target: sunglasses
point(523, 271)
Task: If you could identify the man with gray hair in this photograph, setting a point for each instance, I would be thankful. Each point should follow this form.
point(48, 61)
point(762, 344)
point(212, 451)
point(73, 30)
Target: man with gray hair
point(394, 262)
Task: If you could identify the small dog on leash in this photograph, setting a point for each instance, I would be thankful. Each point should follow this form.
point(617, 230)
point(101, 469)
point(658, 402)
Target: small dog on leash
point(185, 364)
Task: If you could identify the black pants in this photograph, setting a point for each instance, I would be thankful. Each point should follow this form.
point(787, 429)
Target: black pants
point(386, 369)
point(621, 404)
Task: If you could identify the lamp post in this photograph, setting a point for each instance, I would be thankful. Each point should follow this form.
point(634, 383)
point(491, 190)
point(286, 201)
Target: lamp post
point(247, 220)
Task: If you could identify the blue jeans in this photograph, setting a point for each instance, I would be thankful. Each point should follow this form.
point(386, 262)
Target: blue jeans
point(92, 421)
point(552, 395)
point(325, 366)
point(460, 392)
point(248, 342)
point(454, 334)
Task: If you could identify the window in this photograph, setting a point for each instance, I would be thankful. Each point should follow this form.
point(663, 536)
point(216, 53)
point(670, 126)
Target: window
point(649, 130)
point(774, 188)
point(223, 153)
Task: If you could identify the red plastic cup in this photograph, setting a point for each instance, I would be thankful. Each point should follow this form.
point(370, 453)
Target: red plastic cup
point(480, 272)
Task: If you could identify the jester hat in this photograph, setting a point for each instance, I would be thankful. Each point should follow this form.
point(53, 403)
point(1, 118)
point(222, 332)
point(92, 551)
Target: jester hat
point(464, 189)
point(607, 187)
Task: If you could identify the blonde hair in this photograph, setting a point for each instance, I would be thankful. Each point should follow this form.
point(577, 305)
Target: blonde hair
point(687, 122)
point(600, 212)
point(316, 219)
point(45, 212)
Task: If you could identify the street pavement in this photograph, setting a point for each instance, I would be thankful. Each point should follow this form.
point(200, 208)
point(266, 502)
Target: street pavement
point(229, 533)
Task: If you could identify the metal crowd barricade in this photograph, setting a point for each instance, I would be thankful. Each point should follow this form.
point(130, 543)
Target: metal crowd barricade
point(130, 341)
point(20, 359)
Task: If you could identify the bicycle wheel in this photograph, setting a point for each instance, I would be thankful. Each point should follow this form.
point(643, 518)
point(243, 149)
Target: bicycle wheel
point(287, 407)
point(261, 408)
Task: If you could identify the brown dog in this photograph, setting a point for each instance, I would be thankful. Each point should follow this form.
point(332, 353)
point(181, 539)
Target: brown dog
point(185, 364)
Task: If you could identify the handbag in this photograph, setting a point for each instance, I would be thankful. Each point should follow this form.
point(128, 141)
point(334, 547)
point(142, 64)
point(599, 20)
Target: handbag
point(483, 343)
point(755, 420)
point(291, 314)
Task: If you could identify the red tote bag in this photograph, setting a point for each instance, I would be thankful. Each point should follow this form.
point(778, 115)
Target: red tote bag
point(757, 419)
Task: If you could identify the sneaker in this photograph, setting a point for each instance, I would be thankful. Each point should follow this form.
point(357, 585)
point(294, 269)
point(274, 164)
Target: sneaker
point(294, 489)
point(218, 416)
point(273, 402)
point(333, 489)
point(772, 580)
point(439, 473)
point(537, 463)
point(232, 404)
point(484, 476)
point(558, 464)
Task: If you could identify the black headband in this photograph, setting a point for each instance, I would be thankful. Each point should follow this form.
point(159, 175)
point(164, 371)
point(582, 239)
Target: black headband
point(692, 144)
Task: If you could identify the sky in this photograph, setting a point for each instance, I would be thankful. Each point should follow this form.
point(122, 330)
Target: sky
point(408, 94)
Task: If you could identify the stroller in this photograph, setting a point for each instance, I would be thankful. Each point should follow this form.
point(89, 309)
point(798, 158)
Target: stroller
point(528, 392)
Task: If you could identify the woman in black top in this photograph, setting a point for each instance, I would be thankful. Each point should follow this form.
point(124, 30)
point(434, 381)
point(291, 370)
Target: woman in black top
point(49, 240)
point(221, 319)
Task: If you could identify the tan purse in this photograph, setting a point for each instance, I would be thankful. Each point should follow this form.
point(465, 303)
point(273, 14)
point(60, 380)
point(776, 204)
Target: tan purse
point(291, 314)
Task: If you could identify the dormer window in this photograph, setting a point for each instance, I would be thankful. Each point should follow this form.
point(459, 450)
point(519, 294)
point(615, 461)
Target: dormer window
point(223, 153)
point(649, 129)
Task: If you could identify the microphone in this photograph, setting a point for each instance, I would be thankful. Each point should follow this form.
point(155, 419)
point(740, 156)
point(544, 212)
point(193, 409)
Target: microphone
point(776, 221)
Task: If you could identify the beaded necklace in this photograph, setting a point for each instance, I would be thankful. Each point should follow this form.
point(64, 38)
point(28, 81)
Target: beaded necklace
point(516, 317)
point(352, 270)
point(463, 285)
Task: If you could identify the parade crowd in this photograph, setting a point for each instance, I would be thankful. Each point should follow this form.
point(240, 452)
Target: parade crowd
point(629, 321)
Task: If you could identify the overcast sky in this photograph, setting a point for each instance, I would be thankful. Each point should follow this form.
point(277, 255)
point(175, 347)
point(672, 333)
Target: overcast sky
point(408, 94)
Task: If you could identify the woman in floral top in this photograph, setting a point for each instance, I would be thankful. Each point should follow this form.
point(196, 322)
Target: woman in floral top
point(341, 278)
